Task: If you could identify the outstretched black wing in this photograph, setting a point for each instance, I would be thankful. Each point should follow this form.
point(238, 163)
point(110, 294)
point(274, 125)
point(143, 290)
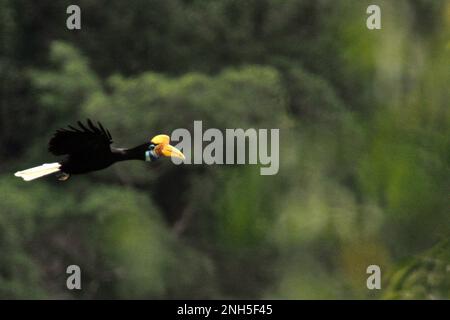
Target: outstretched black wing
point(85, 139)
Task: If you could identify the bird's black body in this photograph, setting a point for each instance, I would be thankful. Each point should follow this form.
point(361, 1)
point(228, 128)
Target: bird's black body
point(88, 148)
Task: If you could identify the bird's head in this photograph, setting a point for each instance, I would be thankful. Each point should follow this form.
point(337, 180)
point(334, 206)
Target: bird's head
point(160, 146)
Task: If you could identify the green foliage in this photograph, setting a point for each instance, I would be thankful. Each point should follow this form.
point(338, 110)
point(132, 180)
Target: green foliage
point(424, 277)
point(245, 209)
point(364, 156)
point(61, 93)
point(18, 271)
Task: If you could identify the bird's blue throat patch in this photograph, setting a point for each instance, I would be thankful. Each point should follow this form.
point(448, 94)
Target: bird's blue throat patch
point(150, 155)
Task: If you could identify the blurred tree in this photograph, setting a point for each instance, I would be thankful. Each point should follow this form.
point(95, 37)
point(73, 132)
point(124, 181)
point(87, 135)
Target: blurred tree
point(423, 277)
point(364, 156)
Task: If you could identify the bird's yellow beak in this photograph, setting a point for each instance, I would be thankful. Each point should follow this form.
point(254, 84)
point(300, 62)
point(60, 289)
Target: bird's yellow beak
point(170, 151)
point(164, 148)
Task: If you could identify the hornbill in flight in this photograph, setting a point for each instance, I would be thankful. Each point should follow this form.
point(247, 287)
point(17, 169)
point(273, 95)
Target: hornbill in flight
point(87, 149)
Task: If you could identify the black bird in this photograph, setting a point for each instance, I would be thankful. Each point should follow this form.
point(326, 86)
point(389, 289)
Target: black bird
point(88, 148)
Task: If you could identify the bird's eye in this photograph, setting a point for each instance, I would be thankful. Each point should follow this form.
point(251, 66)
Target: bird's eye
point(151, 147)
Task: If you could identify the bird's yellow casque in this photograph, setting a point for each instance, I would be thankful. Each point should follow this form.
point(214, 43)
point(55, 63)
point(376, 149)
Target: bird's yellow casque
point(160, 138)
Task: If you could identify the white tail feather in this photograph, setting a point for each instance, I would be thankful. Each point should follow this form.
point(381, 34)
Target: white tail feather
point(37, 172)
